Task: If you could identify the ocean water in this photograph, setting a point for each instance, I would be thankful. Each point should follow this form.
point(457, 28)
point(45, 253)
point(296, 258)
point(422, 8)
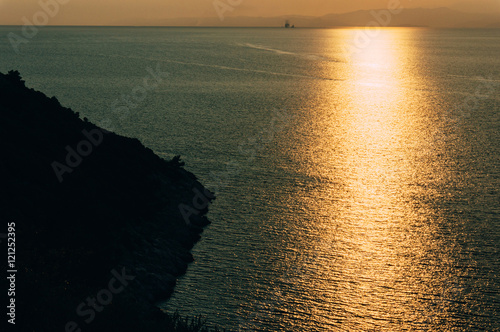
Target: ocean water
point(357, 182)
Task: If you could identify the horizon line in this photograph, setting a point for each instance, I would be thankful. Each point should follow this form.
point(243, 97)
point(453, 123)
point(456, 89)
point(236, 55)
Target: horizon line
point(265, 27)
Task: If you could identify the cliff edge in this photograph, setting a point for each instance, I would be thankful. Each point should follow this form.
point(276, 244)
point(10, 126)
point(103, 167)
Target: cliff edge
point(99, 236)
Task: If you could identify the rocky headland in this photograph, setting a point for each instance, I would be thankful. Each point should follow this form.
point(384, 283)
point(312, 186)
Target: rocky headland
point(99, 233)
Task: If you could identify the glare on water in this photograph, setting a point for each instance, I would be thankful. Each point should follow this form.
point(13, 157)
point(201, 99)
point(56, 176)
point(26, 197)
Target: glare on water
point(370, 204)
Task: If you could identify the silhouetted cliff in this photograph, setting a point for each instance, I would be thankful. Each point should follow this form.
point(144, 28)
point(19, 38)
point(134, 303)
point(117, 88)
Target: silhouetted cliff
point(96, 216)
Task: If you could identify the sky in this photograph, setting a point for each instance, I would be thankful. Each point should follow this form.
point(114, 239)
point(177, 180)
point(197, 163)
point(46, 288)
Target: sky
point(137, 12)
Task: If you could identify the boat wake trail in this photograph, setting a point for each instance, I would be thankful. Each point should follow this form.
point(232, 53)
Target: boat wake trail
point(251, 70)
point(228, 68)
point(281, 52)
point(259, 47)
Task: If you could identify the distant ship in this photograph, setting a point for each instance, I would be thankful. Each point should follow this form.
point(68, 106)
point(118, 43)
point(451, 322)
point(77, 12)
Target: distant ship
point(287, 25)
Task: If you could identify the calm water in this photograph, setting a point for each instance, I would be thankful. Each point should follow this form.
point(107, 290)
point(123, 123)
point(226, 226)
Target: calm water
point(356, 192)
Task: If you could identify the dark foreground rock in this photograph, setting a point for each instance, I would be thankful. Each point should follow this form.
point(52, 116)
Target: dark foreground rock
point(99, 233)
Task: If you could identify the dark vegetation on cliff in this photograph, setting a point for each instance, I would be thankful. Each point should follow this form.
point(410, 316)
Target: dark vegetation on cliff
point(118, 209)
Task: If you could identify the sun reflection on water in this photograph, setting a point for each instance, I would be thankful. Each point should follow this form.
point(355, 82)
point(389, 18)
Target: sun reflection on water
point(376, 250)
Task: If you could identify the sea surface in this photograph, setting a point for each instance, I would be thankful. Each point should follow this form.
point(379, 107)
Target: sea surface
point(357, 171)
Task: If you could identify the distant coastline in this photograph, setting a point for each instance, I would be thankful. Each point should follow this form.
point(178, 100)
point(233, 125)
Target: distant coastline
point(409, 17)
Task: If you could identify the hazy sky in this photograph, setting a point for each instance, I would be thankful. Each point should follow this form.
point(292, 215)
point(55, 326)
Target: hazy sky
point(109, 12)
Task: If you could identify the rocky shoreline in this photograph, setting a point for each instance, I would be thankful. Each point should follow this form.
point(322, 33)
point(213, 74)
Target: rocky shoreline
point(101, 233)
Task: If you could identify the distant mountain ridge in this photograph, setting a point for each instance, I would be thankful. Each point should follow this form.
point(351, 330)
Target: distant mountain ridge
point(420, 17)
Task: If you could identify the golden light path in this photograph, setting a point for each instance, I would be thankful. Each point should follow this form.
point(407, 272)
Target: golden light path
point(376, 254)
